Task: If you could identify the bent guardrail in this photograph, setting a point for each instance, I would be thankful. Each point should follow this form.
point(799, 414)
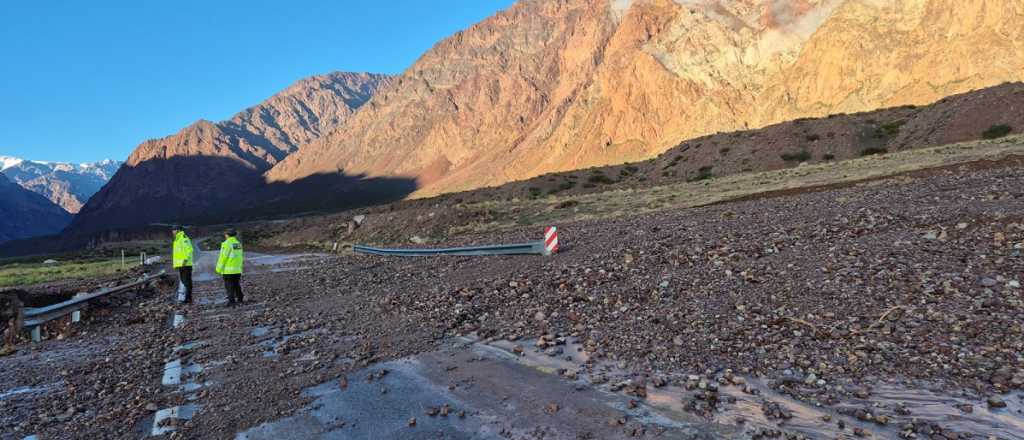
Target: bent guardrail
point(532, 248)
point(36, 317)
point(548, 246)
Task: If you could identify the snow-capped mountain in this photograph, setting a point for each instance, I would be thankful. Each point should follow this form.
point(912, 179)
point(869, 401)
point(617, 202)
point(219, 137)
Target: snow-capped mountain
point(65, 184)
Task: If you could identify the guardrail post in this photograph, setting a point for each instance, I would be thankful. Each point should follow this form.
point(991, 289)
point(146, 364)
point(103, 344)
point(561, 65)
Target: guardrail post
point(37, 334)
point(76, 316)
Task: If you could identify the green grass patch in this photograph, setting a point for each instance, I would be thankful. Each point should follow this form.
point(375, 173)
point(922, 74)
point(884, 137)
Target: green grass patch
point(19, 274)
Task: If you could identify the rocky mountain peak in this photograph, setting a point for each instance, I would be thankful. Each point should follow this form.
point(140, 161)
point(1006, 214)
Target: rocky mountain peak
point(66, 184)
point(192, 172)
point(552, 86)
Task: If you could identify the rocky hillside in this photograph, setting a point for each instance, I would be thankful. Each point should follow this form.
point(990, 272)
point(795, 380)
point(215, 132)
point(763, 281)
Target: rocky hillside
point(550, 86)
point(207, 165)
point(957, 118)
point(67, 185)
point(24, 213)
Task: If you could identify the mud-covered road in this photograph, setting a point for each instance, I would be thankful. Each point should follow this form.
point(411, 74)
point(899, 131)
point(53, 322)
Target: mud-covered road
point(884, 310)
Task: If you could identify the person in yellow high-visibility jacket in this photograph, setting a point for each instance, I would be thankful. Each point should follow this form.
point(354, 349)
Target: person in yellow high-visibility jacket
point(181, 256)
point(229, 265)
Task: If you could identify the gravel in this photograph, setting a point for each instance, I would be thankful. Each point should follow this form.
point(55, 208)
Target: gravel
point(902, 279)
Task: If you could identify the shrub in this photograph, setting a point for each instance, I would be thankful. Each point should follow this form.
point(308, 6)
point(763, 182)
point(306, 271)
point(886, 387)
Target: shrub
point(567, 185)
point(704, 173)
point(724, 151)
point(600, 178)
point(567, 204)
point(588, 185)
point(872, 151)
point(802, 156)
point(889, 129)
point(997, 131)
point(675, 161)
point(534, 191)
point(813, 137)
point(828, 156)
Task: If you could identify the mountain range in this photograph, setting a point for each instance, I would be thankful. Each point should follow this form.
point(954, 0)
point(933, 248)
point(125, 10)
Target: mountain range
point(24, 213)
point(65, 184)
point(549, 86)
point(208, 166)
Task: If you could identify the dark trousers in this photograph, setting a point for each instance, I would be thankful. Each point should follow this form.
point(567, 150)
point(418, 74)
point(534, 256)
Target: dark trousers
point(233, 285)
point(185, 274)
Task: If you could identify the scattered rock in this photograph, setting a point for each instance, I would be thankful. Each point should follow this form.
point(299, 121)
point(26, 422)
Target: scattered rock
point(996, 402)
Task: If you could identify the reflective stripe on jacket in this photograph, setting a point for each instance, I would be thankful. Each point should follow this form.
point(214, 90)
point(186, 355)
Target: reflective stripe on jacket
point(182, 252)
point(231, 257)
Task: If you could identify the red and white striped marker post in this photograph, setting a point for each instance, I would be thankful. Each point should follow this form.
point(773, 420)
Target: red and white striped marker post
point(550, 240)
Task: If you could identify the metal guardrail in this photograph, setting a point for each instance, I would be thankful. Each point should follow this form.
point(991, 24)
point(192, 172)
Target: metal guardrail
point(35, 317)
point(531, 248)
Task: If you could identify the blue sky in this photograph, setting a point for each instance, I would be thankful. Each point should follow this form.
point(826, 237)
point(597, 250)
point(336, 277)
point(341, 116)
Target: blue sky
point(82, 81)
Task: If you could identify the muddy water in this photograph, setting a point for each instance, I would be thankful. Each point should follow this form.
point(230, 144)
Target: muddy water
point(743, 410)
point(204, 267)
point(509, 391)
point(488, 394)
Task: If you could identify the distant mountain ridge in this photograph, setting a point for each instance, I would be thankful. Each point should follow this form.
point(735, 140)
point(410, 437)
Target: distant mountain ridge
point(25, 214)
point(207, 166)
point(68, 185)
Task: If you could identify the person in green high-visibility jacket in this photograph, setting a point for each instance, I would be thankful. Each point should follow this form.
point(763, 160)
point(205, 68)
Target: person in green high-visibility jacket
point(229, 265)
point(181, 256)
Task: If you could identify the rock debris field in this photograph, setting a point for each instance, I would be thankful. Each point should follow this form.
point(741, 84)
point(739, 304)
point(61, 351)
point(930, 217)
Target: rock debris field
point(889, 309)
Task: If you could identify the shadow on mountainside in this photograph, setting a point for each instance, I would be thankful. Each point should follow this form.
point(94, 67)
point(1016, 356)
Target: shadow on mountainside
point(142, 200)
point(319, 193)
